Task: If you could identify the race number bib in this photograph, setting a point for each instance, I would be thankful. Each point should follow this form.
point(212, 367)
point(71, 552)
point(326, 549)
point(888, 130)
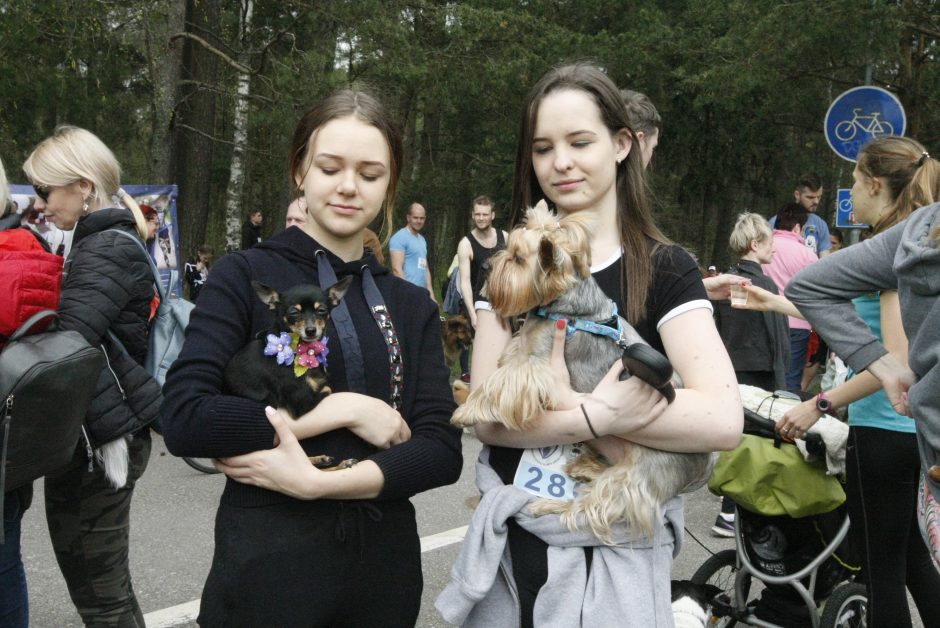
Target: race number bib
point(541, 471)
point(422, 263)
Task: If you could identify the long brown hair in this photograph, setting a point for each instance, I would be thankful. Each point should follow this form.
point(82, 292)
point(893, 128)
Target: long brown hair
point(639, 234)
point(912, 177)
point(342, 104)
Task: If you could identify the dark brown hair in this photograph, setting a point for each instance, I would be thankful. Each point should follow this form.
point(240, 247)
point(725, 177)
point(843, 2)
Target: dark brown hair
point(641, 112)
point(342, 104)
point(639, 234)
point(791, 215)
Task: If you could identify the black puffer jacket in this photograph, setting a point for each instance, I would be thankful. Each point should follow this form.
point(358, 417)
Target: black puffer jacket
point(108, 284)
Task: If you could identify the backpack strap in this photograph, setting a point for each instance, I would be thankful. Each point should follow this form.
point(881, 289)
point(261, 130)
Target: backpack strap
point(153, 267)
point(32, 320)
point(349, 340)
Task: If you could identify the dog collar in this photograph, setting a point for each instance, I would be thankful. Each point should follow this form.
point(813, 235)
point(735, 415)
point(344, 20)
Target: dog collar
point(611, 327)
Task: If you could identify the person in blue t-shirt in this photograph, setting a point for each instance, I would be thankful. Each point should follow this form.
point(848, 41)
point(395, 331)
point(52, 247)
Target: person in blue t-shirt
point(408, 251)
point(808, 192)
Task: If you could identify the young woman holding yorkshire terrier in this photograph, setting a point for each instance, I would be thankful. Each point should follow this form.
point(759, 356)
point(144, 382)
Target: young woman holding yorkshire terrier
point(578, 153)
point(294, 545)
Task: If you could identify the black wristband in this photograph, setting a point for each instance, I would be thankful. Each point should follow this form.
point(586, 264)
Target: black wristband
point(590, 427)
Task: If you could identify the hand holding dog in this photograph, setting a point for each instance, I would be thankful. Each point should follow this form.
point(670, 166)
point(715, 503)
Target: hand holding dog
point(371, 419)
point(285, 468)
point(616, 407)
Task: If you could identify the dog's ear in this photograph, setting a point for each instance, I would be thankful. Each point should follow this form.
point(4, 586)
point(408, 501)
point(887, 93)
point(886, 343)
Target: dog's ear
point(338, 291)
point(268, 296)
point(547, 254)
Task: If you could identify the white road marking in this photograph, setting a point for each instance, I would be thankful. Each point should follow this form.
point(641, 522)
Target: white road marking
point(188, 611)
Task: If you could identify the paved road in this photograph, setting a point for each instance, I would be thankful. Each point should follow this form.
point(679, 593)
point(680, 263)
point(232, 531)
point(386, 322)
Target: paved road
point(172, 542)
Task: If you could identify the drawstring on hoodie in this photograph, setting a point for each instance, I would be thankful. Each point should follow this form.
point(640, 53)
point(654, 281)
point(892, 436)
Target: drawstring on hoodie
point(355, 513)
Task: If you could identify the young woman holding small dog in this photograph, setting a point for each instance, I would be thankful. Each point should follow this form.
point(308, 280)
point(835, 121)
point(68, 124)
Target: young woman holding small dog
point(294, 545)
point(107, 288)
point(578, 153)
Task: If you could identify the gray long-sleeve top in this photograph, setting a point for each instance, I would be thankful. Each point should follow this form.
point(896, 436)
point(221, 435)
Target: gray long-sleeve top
point(903, 258)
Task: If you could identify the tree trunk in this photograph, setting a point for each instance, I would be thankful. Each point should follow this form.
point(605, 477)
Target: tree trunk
point(236, 177)
point(194, 125)
point(166, 18)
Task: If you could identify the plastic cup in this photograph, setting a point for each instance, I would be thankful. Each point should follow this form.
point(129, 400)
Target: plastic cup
point(738, 295)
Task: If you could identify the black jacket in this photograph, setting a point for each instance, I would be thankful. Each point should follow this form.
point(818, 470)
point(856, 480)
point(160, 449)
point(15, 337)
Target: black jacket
point(756, 341)
point(251, 234)
point(108, 285)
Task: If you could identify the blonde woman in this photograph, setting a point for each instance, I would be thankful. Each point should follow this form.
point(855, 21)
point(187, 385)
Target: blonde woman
point(107, 289)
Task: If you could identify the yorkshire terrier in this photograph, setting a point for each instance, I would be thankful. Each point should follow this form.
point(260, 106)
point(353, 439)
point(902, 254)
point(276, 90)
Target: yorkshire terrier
point(545, 272)
point(286, 367)
point(457, 336)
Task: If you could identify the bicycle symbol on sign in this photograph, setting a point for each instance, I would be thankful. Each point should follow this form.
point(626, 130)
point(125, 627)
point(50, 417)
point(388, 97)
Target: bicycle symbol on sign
point(870, 124)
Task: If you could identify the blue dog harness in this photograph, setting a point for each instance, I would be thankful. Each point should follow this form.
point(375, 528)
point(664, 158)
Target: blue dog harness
point(611, 327)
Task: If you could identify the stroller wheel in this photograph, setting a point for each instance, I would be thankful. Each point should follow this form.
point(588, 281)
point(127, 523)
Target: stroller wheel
point(846, 607)
point(720, 570)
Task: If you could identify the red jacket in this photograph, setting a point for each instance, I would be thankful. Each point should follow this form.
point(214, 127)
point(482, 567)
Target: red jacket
point(30, 279)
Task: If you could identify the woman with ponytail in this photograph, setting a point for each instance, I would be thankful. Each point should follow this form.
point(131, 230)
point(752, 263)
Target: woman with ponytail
point(894, 177)
point(106, 296)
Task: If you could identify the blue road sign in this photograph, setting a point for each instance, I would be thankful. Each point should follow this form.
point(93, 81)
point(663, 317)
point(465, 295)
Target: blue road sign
point(862, 114)
point(845, 213)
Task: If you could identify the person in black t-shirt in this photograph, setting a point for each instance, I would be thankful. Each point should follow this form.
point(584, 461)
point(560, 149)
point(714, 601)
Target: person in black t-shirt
point(579, 154)
point(473, 251)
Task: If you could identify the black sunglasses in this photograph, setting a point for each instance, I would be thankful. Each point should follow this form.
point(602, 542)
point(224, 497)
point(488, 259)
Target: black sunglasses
point(42, 191)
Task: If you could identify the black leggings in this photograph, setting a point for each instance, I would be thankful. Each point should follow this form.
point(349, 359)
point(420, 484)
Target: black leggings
point(883, 468)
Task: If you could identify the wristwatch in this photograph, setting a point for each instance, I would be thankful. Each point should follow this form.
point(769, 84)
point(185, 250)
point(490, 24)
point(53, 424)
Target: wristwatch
point(823, 404)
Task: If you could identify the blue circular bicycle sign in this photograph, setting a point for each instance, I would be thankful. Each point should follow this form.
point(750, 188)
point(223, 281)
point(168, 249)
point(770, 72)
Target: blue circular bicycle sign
point(862, 114)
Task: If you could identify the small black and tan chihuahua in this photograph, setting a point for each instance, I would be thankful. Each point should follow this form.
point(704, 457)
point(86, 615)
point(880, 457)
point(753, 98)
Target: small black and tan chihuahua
point(264, 370)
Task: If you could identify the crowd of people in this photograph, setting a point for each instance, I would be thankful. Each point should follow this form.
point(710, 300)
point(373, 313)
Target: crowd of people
point(584, 149)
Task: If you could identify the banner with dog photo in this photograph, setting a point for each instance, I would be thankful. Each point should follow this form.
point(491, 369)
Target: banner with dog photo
point(163, 246)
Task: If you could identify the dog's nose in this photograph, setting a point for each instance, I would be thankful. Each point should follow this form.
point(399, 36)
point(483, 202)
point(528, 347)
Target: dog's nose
point(311, 332)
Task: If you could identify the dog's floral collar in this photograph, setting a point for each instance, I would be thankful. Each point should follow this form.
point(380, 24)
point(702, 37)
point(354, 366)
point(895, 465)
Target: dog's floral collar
point(289, 351)
point(282, 346)
point(310, 355)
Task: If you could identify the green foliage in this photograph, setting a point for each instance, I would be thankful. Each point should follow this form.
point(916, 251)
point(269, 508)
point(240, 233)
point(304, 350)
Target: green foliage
point(742, 86)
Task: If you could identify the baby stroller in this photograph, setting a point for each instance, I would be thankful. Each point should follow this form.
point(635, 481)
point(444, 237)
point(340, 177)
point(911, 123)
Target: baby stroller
point(790, 537)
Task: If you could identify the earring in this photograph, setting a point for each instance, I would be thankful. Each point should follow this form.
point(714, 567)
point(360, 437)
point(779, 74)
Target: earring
point(84, 206)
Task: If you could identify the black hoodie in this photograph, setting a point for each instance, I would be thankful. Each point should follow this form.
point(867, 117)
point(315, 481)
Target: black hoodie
point(199, 420)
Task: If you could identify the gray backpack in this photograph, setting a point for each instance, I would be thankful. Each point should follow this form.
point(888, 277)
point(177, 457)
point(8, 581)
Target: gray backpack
point(168, 327)
point(38, 432)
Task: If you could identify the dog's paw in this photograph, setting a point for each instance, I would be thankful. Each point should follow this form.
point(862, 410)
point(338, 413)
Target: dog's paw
point(541, 507)
point(321, 461)
point(586, 467)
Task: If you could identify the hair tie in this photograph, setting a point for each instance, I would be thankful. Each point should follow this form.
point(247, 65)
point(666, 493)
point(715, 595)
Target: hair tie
point(923, 157)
